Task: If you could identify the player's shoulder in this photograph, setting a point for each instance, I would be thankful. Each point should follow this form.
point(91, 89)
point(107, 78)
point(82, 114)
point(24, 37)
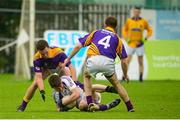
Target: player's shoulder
point(144, 20)
point(53, 51)
point(66, 79)
point(129, 20)
point(94, 31)
point(37, 56)
point(120, 40)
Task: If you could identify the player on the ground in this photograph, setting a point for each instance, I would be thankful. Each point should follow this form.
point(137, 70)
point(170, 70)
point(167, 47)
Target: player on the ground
point(133, 33)
point(68, 94)
point(104, 45)
point(46, 60)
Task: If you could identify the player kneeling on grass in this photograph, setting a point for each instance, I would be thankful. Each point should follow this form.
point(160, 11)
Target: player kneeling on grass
point(67, 95)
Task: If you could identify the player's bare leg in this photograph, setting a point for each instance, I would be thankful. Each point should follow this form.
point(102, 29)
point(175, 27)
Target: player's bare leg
point(141, 68)
point(103, 88)
point(121, 91)
point(28, 96)
point(88, 87)
point(83, 105)
point(30, 93)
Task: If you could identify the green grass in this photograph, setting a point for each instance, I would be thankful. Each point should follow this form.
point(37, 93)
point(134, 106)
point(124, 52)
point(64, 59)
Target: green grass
point(152, 99)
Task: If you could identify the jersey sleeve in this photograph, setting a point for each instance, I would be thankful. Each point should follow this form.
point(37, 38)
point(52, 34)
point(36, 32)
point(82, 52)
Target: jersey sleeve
point(125, 30)
point(69, 82)
point(123, 53)
point(121, 49)
point(61, 57)
point(37, 65)
point(148, 28)
point(86, 40)
point(37, 62)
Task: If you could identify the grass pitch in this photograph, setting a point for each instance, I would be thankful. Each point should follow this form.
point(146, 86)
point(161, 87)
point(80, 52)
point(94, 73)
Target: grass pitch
point(151, 99)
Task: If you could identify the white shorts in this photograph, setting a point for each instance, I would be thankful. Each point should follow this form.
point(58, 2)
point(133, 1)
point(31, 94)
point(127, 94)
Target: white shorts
point(100, 64)
point(139, 50)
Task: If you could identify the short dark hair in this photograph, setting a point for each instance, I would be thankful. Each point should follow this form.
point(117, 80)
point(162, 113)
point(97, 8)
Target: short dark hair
point(54, 80)
point(41, 44)
point(111, 21)
point(137, 7)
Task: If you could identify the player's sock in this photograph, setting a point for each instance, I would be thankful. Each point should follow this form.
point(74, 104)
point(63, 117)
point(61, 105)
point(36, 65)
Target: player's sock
point(129, 106)
point(110, 89)
point(141, 77)
point(22, 107)
point(103, 107)
point(24, 104)
point(110, 105)
point(89, 99)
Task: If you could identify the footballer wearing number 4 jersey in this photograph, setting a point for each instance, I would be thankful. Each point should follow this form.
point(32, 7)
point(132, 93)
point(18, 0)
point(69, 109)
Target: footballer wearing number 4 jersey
point(104, 45)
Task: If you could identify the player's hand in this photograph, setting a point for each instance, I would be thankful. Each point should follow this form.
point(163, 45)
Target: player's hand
point(66, 61)
point(42, 92)
point(144, 39)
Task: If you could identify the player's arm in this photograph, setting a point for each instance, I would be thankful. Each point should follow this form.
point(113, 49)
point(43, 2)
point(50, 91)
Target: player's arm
point(125, 31)
point(39, 78)
point(73, 97)
point(149, 29)
point(73, 72)
point(85, 41)
point(121, 52)
point(74, 52)
point(69, 70)
point(75, 93)
point(124, 65)
point(68, 99)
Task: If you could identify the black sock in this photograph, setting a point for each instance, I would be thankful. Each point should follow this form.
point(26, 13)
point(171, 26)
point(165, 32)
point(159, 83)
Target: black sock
point(129, 105)
point(111, 89)
point(141, 77)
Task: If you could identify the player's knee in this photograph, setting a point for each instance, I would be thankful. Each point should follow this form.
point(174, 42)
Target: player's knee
point(83, 105)
point(87, 74)
point(34, 84)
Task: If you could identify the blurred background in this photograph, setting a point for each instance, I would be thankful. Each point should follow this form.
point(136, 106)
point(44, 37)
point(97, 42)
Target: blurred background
point(38, 16)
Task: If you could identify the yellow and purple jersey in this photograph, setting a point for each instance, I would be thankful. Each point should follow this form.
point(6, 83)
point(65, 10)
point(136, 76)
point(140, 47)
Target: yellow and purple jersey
point(55, 56)
point(104, 42)
point(133, 31)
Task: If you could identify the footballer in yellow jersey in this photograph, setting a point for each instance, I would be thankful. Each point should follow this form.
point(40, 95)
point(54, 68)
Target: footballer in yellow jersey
point(47, 60)
point(133, 33)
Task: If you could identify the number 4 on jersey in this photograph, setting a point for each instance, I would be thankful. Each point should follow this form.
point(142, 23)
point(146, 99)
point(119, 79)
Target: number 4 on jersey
point(105, 41)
